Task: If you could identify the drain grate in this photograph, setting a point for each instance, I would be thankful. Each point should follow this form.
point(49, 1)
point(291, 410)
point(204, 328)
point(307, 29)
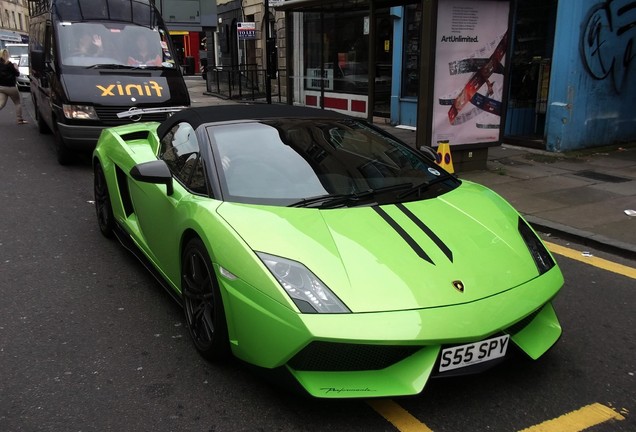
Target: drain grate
point(593, 175)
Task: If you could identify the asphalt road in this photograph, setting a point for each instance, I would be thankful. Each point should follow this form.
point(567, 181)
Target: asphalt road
point(90, 342)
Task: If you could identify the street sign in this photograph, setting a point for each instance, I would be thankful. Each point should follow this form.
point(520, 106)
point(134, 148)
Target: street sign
point(246, 30)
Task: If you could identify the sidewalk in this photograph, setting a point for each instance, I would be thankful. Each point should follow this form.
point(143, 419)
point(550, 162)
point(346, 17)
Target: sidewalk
point(580, 195)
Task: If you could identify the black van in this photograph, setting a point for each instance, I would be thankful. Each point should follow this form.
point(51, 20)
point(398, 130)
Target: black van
point(91, 59)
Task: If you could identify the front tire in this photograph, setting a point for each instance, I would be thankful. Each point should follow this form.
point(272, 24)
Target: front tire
point(63, 153)
point(43, 128)
point(202, 303)
point(103, 207)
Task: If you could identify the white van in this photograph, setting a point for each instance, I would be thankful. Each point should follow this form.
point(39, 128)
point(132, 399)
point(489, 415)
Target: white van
point(16, 50)
point(23, 81)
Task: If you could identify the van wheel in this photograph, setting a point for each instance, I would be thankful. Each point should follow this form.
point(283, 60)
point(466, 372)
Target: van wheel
point(64, 154)
point(43, 128)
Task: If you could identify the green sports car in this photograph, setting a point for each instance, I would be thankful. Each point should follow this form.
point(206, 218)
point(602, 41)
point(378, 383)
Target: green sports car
point(318, 246)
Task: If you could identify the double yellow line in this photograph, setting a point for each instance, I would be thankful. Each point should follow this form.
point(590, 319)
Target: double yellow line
point(601, 263)
point(575, 421)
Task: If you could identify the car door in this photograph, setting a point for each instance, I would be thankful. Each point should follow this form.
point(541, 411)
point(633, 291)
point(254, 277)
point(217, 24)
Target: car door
point(158, 213)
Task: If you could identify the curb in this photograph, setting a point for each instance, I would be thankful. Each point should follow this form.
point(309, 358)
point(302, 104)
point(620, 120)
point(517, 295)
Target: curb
point(587, 238)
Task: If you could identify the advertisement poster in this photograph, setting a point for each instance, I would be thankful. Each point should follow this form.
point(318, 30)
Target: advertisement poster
point(472, 38)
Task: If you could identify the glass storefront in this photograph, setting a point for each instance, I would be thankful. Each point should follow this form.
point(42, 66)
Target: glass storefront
point(336, 54)
point(530, 69)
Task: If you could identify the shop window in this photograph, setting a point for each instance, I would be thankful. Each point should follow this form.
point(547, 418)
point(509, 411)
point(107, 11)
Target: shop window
point(337, 49)
point(411, 67)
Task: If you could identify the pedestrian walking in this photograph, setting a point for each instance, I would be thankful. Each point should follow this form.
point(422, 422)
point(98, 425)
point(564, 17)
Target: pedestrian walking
point(8, 86)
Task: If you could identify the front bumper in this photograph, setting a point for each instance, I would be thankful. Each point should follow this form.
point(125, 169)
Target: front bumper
point(79, 137)
point(270, 335)
point(23, 82)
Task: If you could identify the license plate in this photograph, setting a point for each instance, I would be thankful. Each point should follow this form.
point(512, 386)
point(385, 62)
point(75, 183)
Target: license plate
point(465, 355)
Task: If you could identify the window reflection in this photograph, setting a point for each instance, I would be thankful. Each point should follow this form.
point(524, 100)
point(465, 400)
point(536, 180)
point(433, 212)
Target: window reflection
point(292, 159)
point(95, 43)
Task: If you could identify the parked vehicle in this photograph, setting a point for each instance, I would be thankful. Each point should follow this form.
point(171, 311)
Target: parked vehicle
point(23, 81)
point(86, 67)
point(17, 50)
point(318, 247)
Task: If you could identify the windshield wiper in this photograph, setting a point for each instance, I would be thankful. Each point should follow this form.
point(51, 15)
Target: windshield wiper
point(111, 66)
point(425, 185)
point(306, 202)
point(335, 200)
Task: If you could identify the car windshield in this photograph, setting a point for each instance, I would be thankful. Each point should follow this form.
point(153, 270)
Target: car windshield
point(309, 161)
point(18, 50)
point(113, 44)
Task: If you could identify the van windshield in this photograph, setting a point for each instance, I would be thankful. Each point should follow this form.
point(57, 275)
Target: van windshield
point(106, 43)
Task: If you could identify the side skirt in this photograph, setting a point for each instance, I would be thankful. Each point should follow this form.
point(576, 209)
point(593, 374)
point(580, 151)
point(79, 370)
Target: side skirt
point(128, 243)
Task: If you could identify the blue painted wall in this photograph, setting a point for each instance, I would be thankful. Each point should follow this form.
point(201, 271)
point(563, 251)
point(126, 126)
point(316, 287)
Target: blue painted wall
point(403, 110)
point(593, 81)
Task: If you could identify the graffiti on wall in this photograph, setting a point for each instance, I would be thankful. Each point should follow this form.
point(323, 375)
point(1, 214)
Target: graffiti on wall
point(608, 42)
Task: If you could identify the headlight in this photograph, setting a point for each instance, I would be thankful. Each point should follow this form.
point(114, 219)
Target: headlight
point(540, 254)
point(307, 292)
point(80, 112)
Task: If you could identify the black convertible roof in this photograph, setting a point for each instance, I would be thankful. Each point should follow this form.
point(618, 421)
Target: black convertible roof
point(220, 113)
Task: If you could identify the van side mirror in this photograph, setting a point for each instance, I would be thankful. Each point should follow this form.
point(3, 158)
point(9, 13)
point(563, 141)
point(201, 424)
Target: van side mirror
point(37, 60)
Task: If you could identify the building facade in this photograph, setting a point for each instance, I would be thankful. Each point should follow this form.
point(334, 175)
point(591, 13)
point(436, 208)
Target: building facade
point(14, 22)
point(192, 24)
point(560, 74)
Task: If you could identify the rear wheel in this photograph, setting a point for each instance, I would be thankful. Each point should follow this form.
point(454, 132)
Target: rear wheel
point(202, 303)
point(103, 208)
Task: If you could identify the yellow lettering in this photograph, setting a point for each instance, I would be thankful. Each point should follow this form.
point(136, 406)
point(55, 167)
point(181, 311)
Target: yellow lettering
point(147, 89)
point(131, 87)
point(156, 87)
point(106, 91)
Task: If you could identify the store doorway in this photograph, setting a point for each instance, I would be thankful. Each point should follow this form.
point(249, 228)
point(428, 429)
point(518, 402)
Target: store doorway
point(384, 64)
point(531, 58)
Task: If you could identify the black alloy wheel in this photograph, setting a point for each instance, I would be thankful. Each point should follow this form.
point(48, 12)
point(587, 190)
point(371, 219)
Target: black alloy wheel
point(202, 303)
point(103, 207)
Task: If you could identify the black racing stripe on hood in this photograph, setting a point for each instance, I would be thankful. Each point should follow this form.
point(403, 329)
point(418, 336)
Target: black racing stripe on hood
point(421, 225)
point(407, 238)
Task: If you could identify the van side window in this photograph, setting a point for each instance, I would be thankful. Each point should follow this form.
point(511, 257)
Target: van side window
point(48, 45)
point(180, 151)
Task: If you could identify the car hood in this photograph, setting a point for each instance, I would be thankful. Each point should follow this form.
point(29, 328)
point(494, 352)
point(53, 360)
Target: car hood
point(398, 256)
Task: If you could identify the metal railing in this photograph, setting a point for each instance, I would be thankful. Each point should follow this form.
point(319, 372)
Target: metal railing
point(245, 82)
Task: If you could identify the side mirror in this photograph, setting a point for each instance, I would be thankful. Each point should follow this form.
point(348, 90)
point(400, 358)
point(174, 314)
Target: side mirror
point(156, 172)
point(429, 153)
point(37, 60)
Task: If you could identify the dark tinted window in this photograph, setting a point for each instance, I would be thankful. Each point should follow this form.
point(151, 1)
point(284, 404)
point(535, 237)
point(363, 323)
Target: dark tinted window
point(180, 151)
point(284, 160)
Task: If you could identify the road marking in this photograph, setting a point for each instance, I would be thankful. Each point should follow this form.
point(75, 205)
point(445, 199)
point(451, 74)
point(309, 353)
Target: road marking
point(575, 421)
point(398, 416)
point(578, 420)
point(592, 260)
